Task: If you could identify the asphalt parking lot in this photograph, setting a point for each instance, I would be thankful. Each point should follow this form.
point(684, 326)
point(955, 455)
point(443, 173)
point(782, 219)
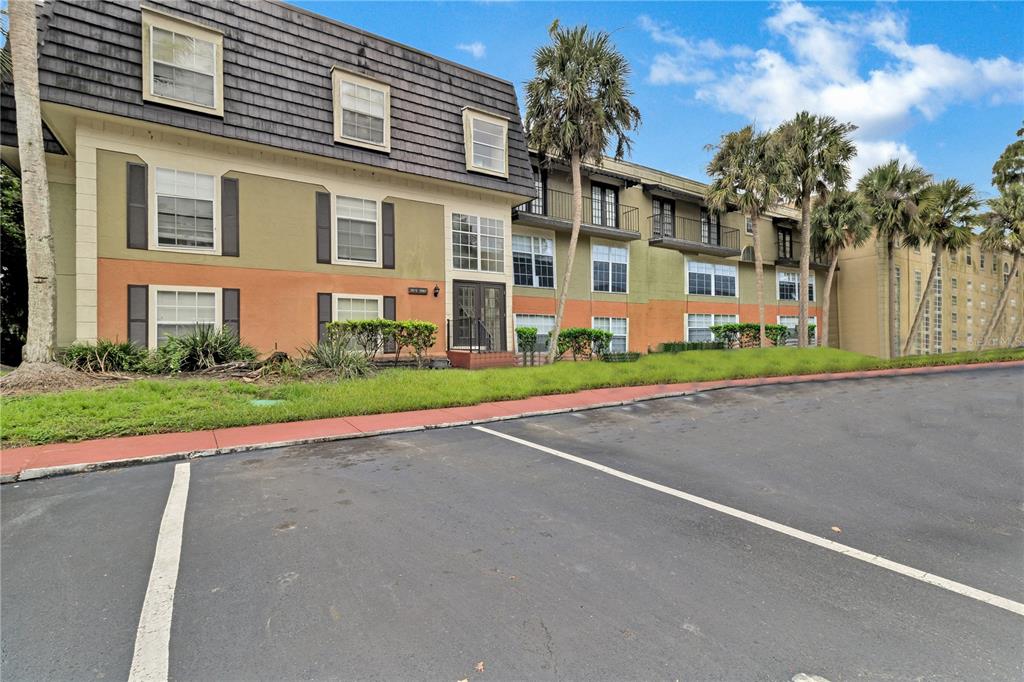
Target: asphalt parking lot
point(425, 554)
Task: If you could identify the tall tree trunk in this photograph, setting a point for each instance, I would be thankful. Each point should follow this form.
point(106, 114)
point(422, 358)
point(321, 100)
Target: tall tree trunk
point(577, 221)
point(35, 197)
point(805, 267)
point(758, 276)
point(937, 250)
point(826, 301)
point(997, 314)
point(894, 337)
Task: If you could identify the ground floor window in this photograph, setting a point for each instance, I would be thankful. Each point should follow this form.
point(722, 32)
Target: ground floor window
point(182, 311)
point(619, 327)
point(791, 322)
point(698, 325)
point(542, 323)
point(357, 307)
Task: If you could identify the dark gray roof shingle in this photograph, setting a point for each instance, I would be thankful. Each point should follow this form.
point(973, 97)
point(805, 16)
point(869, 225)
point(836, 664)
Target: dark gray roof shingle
point(277, 83)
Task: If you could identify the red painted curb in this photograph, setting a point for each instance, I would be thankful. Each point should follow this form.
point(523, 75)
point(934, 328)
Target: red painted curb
point(58, 458)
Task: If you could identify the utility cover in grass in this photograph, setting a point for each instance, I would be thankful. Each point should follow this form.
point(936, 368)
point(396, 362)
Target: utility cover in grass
point(264, 403)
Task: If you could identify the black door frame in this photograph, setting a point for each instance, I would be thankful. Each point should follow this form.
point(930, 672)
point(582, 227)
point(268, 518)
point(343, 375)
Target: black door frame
point(501, 344)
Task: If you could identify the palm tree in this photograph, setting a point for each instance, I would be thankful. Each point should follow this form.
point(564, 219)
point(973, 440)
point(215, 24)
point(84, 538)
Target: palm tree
point(817, 151)
point(890, 193)
point(1004, 229)
point(948, 214)
point(746, 176)
point(840, 222)
point(578, 101)
point(41, 264)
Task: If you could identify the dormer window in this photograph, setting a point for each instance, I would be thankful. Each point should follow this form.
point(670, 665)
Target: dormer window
point(486, 142)
point(182, 65)
point(362, 111)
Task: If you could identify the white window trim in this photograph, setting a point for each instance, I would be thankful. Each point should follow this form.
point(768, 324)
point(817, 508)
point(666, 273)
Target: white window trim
point(379, 262)
point(154, 235)
point(338, 75)
point(778, 281)
point(336, 296)
point(811, 319)
point(151, 19)
point(515, 325)
point(686, 322)
point(618, 245)
point(686, 279)
point(151, 305)
point(593, 325)
point(554, 258)
point(468, 114)
point(505, 274)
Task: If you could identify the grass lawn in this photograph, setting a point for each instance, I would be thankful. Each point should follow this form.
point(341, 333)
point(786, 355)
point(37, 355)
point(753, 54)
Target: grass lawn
point(165, 405)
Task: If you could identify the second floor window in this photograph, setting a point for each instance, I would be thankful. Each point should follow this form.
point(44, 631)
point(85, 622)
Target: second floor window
point(357, 229)
point(533, 261)
point(183, 67)
point(184, 209)
point(604, 201)
point(610, 268)
point(478, 243)
point(711, 280)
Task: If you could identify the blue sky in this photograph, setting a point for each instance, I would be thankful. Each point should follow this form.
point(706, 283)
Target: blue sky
point(941, 84)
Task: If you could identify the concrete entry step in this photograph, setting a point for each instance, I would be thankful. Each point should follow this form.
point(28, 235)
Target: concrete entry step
point(464, 359)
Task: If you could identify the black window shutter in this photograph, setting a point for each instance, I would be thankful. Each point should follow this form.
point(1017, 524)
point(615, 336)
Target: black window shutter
point(229, 216)
point(138, 207)
point(389, 314)
point(323, 315)
point(387, 215)
point(138, 314)
point(231, 317)
point(323, 227)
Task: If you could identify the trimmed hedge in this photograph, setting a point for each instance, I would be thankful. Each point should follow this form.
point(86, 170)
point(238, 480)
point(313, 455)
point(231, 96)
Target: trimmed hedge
point(583, 342)
point(631, 356)
point(681, 346)
point(370, 336)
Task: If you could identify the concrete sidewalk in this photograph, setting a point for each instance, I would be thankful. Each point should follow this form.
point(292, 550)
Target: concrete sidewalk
point(64, 458)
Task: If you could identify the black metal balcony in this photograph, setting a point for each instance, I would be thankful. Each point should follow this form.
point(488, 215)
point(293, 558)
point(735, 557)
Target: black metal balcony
point(696, 236)
point(789, 257)
point(554, 211)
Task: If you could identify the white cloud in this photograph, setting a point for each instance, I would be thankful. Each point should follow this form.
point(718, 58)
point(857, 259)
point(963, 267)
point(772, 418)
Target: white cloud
point(475, 48)
point(821, 68)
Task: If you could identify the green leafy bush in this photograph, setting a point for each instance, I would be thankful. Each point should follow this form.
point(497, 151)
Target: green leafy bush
point(680, 346)
point(200, 349)
point(105, 356)
point(631, 356)
point(418, 336)
point(583, 342)
point(367, 335)
point(526, 338)
point(748, 333)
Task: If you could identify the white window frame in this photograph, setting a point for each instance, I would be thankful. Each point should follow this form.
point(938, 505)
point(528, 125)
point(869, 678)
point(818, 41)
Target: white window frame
point(686, 278)
point(516, 325)
point(812, 293)
point(340, 76)
point(593, 325)
point(152, 19)
point(378, 262)
point(611, 245)
point(748, 225)
point(470, 114)
point(811, 319)
point(714, 321)
point(154, 214)
point(554, 259)
point(151, 305)
point(335, 297)
point(506, 239)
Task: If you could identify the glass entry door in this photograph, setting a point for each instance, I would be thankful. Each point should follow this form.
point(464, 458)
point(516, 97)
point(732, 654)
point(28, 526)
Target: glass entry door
point(479, 311)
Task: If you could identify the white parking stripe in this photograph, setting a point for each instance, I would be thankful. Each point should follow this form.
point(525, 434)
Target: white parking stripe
point(916, 574)
point(153, 639)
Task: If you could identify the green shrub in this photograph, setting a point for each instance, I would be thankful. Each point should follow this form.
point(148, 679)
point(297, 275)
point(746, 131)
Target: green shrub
point(631, 356)
point(680, 346)
point(105, 356)
point(200, 349)
point(526, 338)
point(417, 335)
point(748, 333)
point(583, 342)
point(335, 352)
point(367, 335)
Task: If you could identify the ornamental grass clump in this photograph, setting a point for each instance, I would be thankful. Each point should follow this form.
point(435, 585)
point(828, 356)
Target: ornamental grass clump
point(200, 349)
point(105, 356)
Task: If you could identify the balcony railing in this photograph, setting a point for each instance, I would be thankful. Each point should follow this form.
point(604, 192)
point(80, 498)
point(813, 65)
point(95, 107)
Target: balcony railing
point(558, 205)
point(789, 254)
point(703, 232)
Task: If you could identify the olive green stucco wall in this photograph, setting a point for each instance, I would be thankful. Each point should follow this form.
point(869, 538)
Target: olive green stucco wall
point(62, 221)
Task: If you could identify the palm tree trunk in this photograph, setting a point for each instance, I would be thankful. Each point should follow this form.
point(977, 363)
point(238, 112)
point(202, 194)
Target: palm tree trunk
point(997, 314)
point(577, 221)
point(805, 267)
point(894, 337)
point(759, 277)
point(35, 197)
point(937, 250)
point(826, 302)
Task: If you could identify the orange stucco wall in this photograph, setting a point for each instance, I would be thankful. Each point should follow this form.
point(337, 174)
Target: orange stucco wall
point(651, 323)
point(277, 307)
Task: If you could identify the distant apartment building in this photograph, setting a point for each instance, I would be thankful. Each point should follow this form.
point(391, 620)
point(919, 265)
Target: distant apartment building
point(957, 310)
point(260, 167)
